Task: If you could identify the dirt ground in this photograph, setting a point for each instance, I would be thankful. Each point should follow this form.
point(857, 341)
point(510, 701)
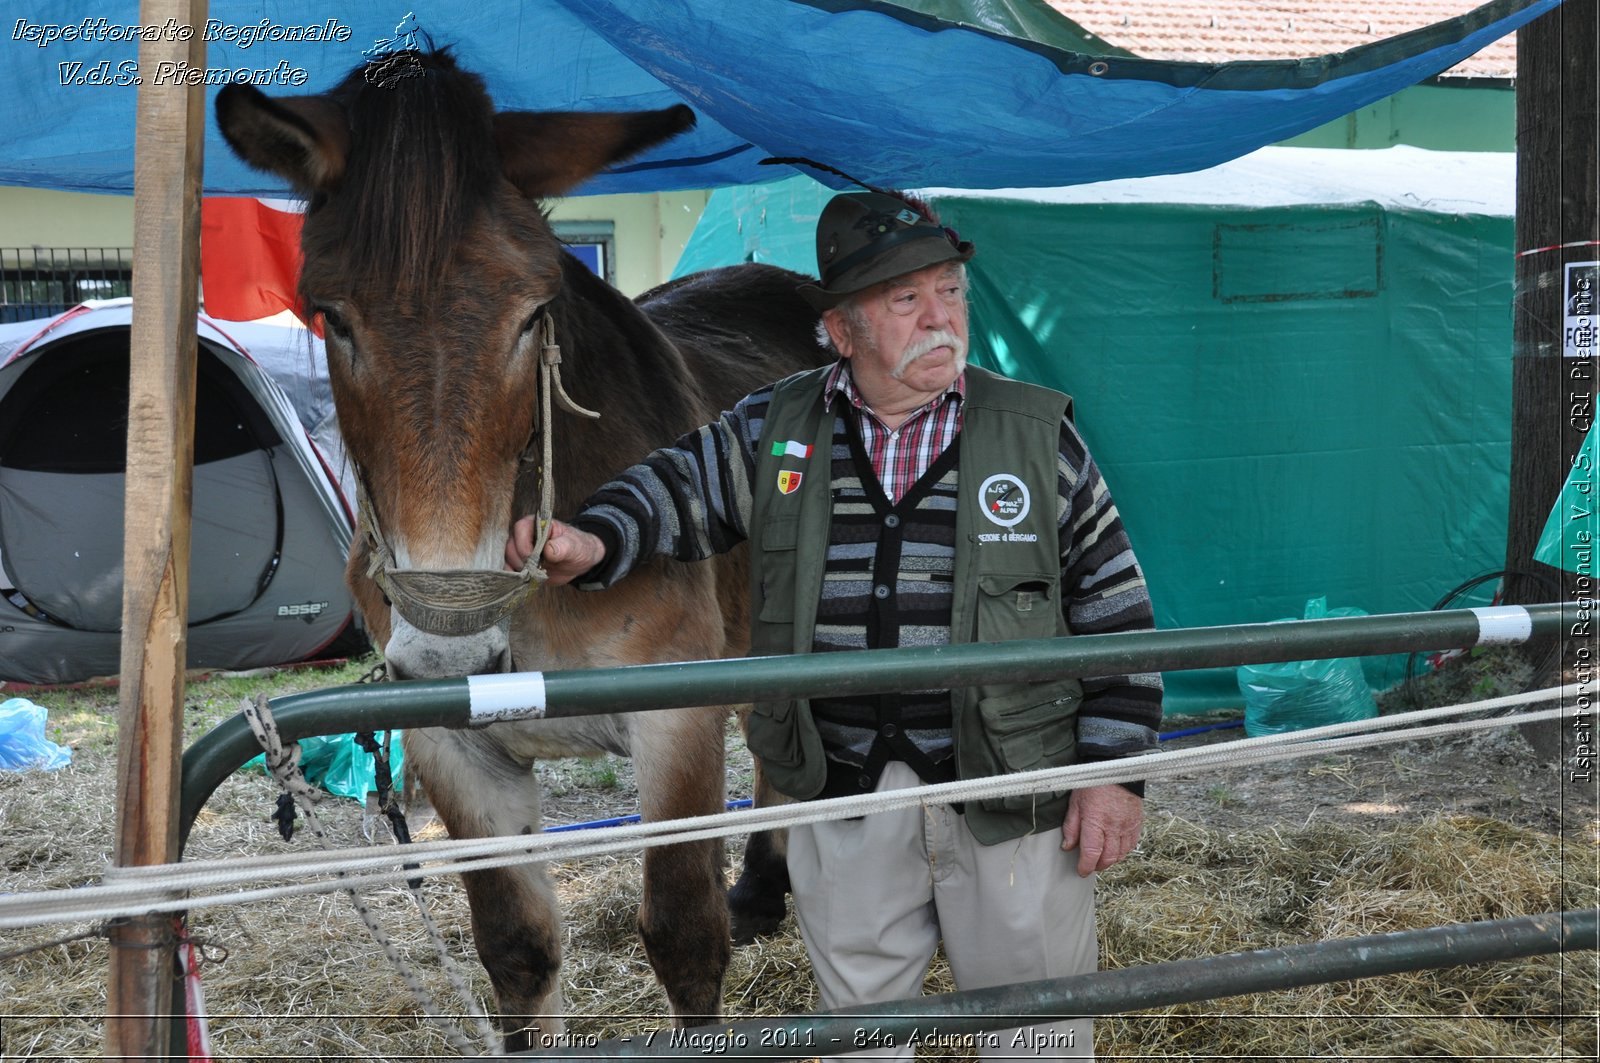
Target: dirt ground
point(1492, 774)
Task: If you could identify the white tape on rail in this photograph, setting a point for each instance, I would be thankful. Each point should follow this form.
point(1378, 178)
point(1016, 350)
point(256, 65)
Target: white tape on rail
point(1501, 625)
point(518, 696)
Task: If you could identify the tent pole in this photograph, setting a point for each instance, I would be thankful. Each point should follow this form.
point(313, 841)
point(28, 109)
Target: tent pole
point(168, 159)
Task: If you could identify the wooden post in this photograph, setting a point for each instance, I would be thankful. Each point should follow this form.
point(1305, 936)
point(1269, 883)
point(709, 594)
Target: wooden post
point(168, 157)
point(1558, 222)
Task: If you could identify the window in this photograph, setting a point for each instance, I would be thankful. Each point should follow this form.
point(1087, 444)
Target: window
point(594, 243)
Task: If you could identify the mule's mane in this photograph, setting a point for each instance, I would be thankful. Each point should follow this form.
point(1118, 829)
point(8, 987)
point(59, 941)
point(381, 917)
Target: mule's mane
point(422, 161)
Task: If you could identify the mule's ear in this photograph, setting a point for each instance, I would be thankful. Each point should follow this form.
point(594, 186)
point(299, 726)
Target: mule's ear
point(546, 153)
point(304, 139)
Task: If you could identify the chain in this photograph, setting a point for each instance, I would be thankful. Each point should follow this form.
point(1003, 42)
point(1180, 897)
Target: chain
point(384, 780)
point(99, 930)
point(382, 775)
point(211, 951)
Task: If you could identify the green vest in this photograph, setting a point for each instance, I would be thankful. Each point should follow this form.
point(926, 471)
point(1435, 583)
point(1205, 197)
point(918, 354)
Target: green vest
point(1007, 586)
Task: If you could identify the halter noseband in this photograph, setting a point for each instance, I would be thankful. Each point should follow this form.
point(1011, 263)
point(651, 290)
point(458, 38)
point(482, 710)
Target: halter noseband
point(465, 601)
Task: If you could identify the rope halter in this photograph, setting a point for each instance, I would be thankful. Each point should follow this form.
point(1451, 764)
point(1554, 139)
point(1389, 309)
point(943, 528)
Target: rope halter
point(465, 601)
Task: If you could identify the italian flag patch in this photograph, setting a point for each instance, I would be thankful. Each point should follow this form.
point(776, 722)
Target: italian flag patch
point(792, 448)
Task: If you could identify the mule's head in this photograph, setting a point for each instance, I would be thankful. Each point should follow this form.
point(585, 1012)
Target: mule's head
point(430, 259)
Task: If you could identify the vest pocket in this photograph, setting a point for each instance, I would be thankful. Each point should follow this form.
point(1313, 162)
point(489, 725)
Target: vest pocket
point(1030, 729)
point(773, 733)
point(1016, 606)
point(778, 541)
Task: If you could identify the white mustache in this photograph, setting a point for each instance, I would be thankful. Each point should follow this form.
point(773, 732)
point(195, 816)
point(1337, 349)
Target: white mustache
point(930, 342)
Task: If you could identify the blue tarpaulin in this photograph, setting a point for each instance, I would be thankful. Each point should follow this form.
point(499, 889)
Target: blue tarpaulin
point(884, 91)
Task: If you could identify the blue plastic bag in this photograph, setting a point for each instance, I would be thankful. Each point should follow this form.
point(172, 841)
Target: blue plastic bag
point(339, 766)
point(1295, 695)
point(22, 741)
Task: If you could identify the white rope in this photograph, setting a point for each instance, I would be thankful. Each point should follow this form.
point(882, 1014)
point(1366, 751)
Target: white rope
point(133, 891)
point(499, 852)
point(284, 765)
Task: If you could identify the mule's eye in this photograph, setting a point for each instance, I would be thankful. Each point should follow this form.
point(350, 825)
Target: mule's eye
point(532, 323)
point(334, 325)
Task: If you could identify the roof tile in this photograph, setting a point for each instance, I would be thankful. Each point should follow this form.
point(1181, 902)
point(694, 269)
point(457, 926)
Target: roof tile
point(1218, 31)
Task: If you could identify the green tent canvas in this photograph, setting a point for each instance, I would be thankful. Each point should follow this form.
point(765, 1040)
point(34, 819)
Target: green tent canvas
point(1294, 369)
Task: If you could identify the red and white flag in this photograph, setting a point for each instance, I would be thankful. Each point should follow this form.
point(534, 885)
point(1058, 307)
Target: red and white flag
point(250, 257)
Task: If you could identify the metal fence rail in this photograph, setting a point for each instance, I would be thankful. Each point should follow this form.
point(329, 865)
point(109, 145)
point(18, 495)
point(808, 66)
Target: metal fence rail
point(533, 695)
point(45, 281)
point(1113, 992)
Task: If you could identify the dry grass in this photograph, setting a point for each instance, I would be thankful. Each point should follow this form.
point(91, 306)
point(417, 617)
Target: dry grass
point(1198, 891)
point(300, 979)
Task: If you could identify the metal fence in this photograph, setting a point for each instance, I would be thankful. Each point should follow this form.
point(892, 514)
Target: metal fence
point(540, 695)
point(45, 281)
point(633, 688)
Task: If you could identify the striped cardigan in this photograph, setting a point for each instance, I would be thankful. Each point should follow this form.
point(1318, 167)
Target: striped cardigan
point(693, 499)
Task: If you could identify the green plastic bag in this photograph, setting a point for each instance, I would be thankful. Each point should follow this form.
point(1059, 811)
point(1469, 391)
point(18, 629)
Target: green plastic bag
point(1568, 539)
point(1294, 695)
point(339, 766)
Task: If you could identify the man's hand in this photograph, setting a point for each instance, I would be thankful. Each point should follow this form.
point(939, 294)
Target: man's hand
point(568, 552)
point(1103, 825)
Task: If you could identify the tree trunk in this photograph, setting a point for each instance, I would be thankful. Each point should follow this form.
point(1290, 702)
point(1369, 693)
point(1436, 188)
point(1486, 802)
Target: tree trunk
point(1554, 391)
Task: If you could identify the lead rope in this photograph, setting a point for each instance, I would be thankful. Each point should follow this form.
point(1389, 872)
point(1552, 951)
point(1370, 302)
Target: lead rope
point(549, 383)
point(283, 761)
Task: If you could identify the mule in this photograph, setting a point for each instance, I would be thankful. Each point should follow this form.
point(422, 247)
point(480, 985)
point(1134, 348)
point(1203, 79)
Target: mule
point(428, 255)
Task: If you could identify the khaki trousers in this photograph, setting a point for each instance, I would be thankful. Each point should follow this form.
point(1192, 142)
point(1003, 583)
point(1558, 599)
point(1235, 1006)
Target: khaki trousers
point(875, 895)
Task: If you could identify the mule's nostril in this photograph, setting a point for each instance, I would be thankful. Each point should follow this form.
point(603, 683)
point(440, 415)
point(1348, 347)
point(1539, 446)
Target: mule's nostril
point(414, 654)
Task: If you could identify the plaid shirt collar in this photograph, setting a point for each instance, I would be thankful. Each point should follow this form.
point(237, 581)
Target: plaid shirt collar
point(900, 457)
point(840, 381)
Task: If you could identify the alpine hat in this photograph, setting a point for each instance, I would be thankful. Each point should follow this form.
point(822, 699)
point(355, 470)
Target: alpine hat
point(867, 237)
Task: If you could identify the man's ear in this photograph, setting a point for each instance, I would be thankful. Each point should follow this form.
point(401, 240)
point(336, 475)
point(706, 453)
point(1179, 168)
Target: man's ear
point(837, 322)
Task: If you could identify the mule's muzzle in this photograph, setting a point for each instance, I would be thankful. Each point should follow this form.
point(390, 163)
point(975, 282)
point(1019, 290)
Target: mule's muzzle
point(412, 653)
point(456, 602)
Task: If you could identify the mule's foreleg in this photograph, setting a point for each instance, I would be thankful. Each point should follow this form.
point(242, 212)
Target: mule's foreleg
point(756, 903)
point(683, 916)
point(516, 929)
point(480, 792)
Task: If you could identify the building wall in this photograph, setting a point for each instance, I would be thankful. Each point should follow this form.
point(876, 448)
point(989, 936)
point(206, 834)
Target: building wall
point(1448, 117)
point(650, 231)
point(35, 217)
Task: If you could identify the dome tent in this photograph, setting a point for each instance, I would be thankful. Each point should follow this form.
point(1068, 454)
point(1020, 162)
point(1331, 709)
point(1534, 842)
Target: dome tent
point(271, 526)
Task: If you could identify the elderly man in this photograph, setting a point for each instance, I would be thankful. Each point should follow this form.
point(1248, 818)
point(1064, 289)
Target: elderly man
point(900, 498)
